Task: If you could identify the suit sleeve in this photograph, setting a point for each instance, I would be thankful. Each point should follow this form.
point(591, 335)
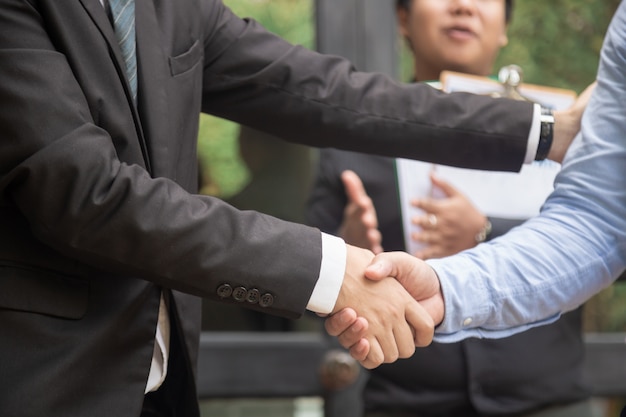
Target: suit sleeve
point(65, 193)
point(257, 79)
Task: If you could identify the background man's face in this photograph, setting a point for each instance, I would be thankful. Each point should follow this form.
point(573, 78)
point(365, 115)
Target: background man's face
point(458, 35)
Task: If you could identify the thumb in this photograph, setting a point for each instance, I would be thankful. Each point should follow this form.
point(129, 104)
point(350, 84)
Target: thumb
point(447, 188)
point(391, 264)
point(354, 188)
point(416, 276)
point(379, 268)
point(581, 102)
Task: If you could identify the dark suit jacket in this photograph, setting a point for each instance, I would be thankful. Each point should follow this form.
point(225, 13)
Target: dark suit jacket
point(97, 214)
point(531, 370)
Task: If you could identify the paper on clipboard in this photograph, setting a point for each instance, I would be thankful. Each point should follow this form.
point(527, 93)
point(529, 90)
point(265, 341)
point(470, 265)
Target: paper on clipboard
point(496, 194)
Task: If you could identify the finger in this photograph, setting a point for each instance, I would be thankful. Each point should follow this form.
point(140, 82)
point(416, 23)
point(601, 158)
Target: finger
point(375, 238)
point(428, 252)
point(360, 350)
point(339, 322)
point(448, 189)
point(375, 356)
point(405, 339)
point(380, 267)
point(368, 217)
point(581, 102)
point(427, 221)
point(400, 265)
point(355, 189)
point(429, 205)
point(353, 334)
point(421, 237)
point(389, 346)
point(435, 307)
point(427, 237)
point(422, 323)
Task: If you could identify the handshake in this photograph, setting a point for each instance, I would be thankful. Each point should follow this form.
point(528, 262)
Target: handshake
point(388, 305)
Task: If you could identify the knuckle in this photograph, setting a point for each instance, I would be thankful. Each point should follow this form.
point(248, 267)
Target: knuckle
point(407, 352)
point(391, 357)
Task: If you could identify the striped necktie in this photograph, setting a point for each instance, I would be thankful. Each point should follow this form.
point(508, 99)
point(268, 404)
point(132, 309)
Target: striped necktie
point(123, 14)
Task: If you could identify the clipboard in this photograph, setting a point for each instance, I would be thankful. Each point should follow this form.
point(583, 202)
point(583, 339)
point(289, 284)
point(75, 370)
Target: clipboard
point(496, 194)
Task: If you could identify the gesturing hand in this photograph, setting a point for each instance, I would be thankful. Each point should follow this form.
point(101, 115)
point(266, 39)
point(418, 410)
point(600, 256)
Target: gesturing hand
point(360, 223)
point(449, 224)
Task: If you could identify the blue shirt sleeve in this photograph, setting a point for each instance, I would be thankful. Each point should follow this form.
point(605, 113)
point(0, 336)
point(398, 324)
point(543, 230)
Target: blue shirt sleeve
point(574, 248)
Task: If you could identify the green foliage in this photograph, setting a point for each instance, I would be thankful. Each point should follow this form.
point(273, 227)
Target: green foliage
point(557, 43)
point(291, 19)
point(606, 312)
point(224, 173)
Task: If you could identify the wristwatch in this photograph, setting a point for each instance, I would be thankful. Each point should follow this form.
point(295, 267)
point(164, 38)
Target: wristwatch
point(546, 134)
point(484, 232)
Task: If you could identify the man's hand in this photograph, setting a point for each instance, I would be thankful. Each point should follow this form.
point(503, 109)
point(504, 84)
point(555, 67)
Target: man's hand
point(449, 224)
point(415, 275)
point(567, 125)
point(396, 323)
point(360, 223)
point(351, 331)
point(420, 281)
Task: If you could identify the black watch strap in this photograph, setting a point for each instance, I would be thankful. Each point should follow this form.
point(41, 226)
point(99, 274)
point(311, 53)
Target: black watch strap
point(546, 134)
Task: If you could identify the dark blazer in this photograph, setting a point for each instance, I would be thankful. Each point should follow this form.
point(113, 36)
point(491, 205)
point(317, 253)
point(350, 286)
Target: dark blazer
point(97, 211)
point(534, 369)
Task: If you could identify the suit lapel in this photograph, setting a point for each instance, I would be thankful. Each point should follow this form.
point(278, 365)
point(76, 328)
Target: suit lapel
point(98, 15)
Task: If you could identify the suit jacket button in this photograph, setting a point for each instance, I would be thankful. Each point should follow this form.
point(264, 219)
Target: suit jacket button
point(253, 296)
point(266, 300)
point(224, 291)
point(239, 293)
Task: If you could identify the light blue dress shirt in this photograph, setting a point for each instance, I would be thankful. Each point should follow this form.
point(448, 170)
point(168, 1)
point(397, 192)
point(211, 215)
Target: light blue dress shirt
point(574, 248)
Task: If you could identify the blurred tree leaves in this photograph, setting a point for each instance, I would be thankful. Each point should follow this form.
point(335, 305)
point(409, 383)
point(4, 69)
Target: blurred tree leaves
point(557, 43)
point(291, 19)
point(223, 172)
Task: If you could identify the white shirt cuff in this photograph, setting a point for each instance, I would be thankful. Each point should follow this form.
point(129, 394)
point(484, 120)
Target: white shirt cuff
point(533, 135)
point(332, 270)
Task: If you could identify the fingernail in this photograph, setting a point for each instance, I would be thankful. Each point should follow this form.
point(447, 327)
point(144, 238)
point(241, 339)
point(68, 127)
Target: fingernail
point(376, 266)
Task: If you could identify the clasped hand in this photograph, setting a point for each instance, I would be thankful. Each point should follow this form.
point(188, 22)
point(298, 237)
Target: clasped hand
point(383, 315)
